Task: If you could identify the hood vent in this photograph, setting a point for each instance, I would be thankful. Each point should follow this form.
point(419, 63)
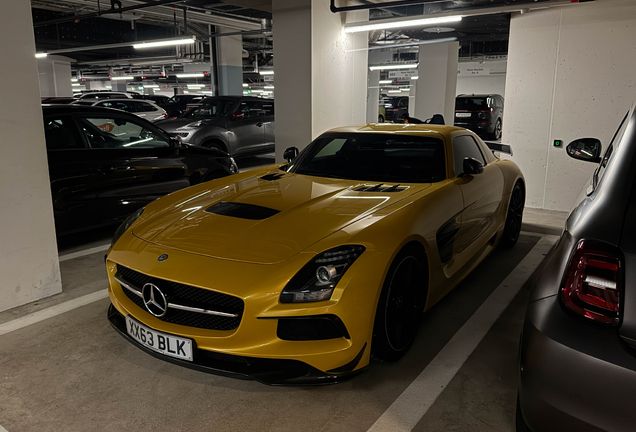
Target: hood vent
point(379, 188)
point(242, 211)
point(272, 177)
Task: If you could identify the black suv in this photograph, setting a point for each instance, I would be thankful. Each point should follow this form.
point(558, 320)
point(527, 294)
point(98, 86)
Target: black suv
point(104, 164)
point(396, 108)
point(482, 114)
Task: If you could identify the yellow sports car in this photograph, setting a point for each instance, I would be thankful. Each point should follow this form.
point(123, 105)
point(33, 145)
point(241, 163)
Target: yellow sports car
point(296, 273)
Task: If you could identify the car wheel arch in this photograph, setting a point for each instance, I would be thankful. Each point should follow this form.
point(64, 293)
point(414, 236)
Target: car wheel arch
point(215, 142)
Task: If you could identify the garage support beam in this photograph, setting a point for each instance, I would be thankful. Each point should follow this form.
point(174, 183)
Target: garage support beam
point(437, 83)
point(229, 54)
point(29, 266)
point(373, 96)
point(320, 72)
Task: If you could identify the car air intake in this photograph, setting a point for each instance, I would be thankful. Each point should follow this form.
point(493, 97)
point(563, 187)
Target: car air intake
point(379, 188)
point(272, 177)
point(242, 211)
point(315, 327)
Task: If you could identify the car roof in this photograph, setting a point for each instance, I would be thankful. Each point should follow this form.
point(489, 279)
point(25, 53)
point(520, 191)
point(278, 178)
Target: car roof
point(70, 108)
point(478, 95)
point(150, 101)
point(404, 129)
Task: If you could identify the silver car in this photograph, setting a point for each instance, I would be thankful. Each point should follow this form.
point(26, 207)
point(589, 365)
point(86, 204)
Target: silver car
point(145, 109)
point(234, 124)
point(578, 346)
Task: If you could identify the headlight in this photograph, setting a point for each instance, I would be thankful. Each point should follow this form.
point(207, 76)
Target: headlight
point(318, 278)
point(233, 166)
point(127, 223)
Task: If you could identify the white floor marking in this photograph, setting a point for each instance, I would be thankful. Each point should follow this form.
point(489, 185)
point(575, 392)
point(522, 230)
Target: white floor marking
point(3, 429)
point(84, 252)
point(407, 410)
point(50, 312)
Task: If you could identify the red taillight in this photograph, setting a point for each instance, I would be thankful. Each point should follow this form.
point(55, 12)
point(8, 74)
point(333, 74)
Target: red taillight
point(592, 282)
point(165, 115)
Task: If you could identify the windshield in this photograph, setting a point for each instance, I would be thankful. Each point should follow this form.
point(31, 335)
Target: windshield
point(211, 108)
point(471, 103)
point(373, 157)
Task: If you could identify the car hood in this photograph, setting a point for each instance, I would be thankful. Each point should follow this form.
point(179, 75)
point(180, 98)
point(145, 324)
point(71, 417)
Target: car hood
point(171, 125)
point(271, 220)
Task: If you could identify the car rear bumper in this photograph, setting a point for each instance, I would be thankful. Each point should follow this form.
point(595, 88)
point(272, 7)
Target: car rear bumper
point(574, 375)
point(266, 371)
point(475, 125)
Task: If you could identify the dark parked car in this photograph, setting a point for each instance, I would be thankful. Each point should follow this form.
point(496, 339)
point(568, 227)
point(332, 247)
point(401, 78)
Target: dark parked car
point(396, 109)
point(235, 124)
point(482, 114)
point(159, 100)
point(104, 164)
point(578, 347)
point(178, 104)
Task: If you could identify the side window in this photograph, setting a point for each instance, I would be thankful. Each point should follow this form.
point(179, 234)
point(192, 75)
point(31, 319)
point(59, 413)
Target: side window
point(246, 108)
point(61, 134)
point(331, 148)
point(465, 147)
point(616, 141)
point(117, 132)
point(403, 102)
point(144, 107)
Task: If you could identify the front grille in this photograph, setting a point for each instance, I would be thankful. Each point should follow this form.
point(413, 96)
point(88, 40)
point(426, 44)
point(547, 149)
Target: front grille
point(187, 295)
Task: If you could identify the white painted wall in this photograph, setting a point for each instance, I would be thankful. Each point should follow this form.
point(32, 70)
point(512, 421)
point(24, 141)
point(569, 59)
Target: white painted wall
point(29, 264)
point(492, 82)
point(570, 74)
point(321, 72)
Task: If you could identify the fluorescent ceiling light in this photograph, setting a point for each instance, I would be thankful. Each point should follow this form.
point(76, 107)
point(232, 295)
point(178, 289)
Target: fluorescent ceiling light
point(414, 77)
point(245, 93)
point(73, 79)
point(191, 75)
point(269, 87)
point(186, 92)
point(75, 85)
point(420, 22)
point(168, 42)
point(206, 91)
point(391, 67)
point(40, 55)
point(122, 78)
point(245, 85)
point(267, 72)
point(195, 86)
point(385, 81)
point(257, 91)
point(151, 86)
point(394, 91)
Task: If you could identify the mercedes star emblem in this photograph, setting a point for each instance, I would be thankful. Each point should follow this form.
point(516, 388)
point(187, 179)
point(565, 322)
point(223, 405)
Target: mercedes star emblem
point(154, 300)
point(162, 257)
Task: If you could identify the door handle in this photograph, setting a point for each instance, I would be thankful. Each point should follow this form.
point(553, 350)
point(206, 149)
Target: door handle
point(259, 124)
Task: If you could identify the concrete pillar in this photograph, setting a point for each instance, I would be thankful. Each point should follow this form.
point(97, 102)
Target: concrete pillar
point(437, 81)
point(119, 86)
point(55, 76)
point(321, 72)
point(29, 264)
point(373, 96)
point(229, 54)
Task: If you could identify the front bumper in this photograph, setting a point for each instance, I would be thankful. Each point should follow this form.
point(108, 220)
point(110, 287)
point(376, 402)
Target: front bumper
point(574, 375)
point(266, 371)
point(257, 337)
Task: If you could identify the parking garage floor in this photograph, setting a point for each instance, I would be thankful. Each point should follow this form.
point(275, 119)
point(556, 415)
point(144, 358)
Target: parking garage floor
point(63, 368)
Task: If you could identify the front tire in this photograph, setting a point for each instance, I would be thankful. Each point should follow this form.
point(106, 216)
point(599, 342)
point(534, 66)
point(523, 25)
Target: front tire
point(400, 306)
point(514, 217)
point(380, 118)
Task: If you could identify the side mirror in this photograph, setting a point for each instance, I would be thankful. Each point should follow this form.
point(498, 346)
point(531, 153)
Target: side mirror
point(585, 149)
point(472, 167)
point(290, 154)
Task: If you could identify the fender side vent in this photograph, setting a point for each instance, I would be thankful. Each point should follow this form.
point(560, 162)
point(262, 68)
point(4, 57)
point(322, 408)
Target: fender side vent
point(242, 211)
point(272, 177)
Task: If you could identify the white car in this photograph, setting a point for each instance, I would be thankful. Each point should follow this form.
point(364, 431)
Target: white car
point(106, 95)
point(146, 109)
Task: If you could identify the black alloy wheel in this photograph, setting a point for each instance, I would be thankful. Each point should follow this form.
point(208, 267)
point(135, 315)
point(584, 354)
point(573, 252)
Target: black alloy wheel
point(514, 217)
point(400, 306)
point(496, 134)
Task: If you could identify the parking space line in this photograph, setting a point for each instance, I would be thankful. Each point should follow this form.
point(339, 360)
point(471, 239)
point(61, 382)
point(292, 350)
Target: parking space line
point(3, 429)
point(407, 410)
point(51, 312)
point(84, 252)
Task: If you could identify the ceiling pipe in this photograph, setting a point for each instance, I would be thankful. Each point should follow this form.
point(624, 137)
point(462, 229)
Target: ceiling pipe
point(474, 12)
point(336, 9)
point(103, 12)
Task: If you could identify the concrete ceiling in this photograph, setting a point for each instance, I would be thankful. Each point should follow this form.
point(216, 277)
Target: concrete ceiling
point(261, 5)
